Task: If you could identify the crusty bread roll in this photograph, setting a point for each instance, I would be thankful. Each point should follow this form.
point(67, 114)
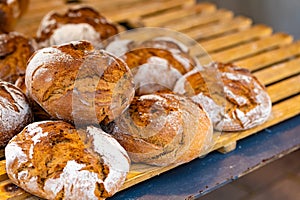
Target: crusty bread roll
point(77, 23)
point(156, 69)
point(238, 101)
point(15, 112)
point(53, 160)
point(10, 11)
point(73, 82)
point(163, 129)
point(15, 50)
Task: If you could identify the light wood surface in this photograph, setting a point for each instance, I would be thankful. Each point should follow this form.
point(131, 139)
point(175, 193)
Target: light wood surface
point(273, 57)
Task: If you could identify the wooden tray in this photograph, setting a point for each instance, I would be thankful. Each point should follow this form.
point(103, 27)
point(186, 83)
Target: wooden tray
point(273, 58)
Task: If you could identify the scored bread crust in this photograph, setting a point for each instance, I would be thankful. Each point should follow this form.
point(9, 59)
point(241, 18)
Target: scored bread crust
point(163, 129)
point(15, 112)
point(53, 160)
point(236, 101)
point(15, 50)
point(77, 84)
point(76, 23)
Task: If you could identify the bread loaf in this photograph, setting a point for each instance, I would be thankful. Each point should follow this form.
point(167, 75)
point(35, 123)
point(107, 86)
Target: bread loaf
point(53, 160)
point(73, 82)
point(77, 23)
point(156, 69)
point(15, 50)
point(15, 112)
point(163, 129)
point(238, 101)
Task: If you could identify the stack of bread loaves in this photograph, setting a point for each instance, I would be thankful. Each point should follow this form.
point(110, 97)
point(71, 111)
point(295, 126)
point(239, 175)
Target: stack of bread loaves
point(110, 102)
point(67, 156)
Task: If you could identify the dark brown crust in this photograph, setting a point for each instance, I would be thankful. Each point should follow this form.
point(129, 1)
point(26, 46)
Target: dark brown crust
point(77, 15)
point(15, 50)
point(84, 69)
point(11, 105)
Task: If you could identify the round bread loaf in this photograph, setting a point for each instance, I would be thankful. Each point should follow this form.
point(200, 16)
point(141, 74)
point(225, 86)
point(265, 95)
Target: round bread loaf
point(15, 112)
point(53, 160)
point(73, 82)
point(237, 102)
point(163, 129)
point(77, 23)
point(156, 69)
point(15, 50)
point(10, 11)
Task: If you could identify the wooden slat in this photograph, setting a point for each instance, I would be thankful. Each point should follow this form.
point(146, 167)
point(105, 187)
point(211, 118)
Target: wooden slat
point(146, 7)
point(10, 191)
point(237, 23)
point(219, 43)
point(250, 48)
point(284, 88)
point(162, 18)
point(199, 19)
point(270, 57)
point(3, 175)
point(278, 72)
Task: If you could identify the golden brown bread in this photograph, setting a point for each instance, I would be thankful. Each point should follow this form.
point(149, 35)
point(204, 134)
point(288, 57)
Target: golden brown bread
point(138, 56)
point(156, 69)
point(163, 129)
point(77, 23)
point(15, 50)
point(10, 11)
point(15, 112)
point(53, 160)
point(238, 101)
point(75, 83)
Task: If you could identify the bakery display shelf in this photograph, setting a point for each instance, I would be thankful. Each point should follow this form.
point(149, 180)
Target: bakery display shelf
point(273, 57)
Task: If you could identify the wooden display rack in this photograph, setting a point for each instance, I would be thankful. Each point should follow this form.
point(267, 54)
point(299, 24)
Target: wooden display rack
point(273, 58)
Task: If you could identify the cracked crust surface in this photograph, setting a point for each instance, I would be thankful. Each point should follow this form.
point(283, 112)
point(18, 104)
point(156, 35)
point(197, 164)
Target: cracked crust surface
point(75, 83)
point(163, 129)
point(53, 160)
point(78, 23)
point(15, 50)
point(15, 112)
point(238, 101)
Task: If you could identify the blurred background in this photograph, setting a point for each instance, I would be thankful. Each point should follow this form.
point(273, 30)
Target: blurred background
point(282, 15)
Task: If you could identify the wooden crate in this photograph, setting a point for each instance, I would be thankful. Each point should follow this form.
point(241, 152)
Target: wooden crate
point(273, 58)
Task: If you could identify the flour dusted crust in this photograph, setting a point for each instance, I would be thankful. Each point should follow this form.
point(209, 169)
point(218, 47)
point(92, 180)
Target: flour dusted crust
point(163, 129)
point(15, 50)
point(53, 160)
point(10, 11)
point(15, 112)
point(77, 23)
point(156, 69)
point(237, 102)
point(77, 84)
